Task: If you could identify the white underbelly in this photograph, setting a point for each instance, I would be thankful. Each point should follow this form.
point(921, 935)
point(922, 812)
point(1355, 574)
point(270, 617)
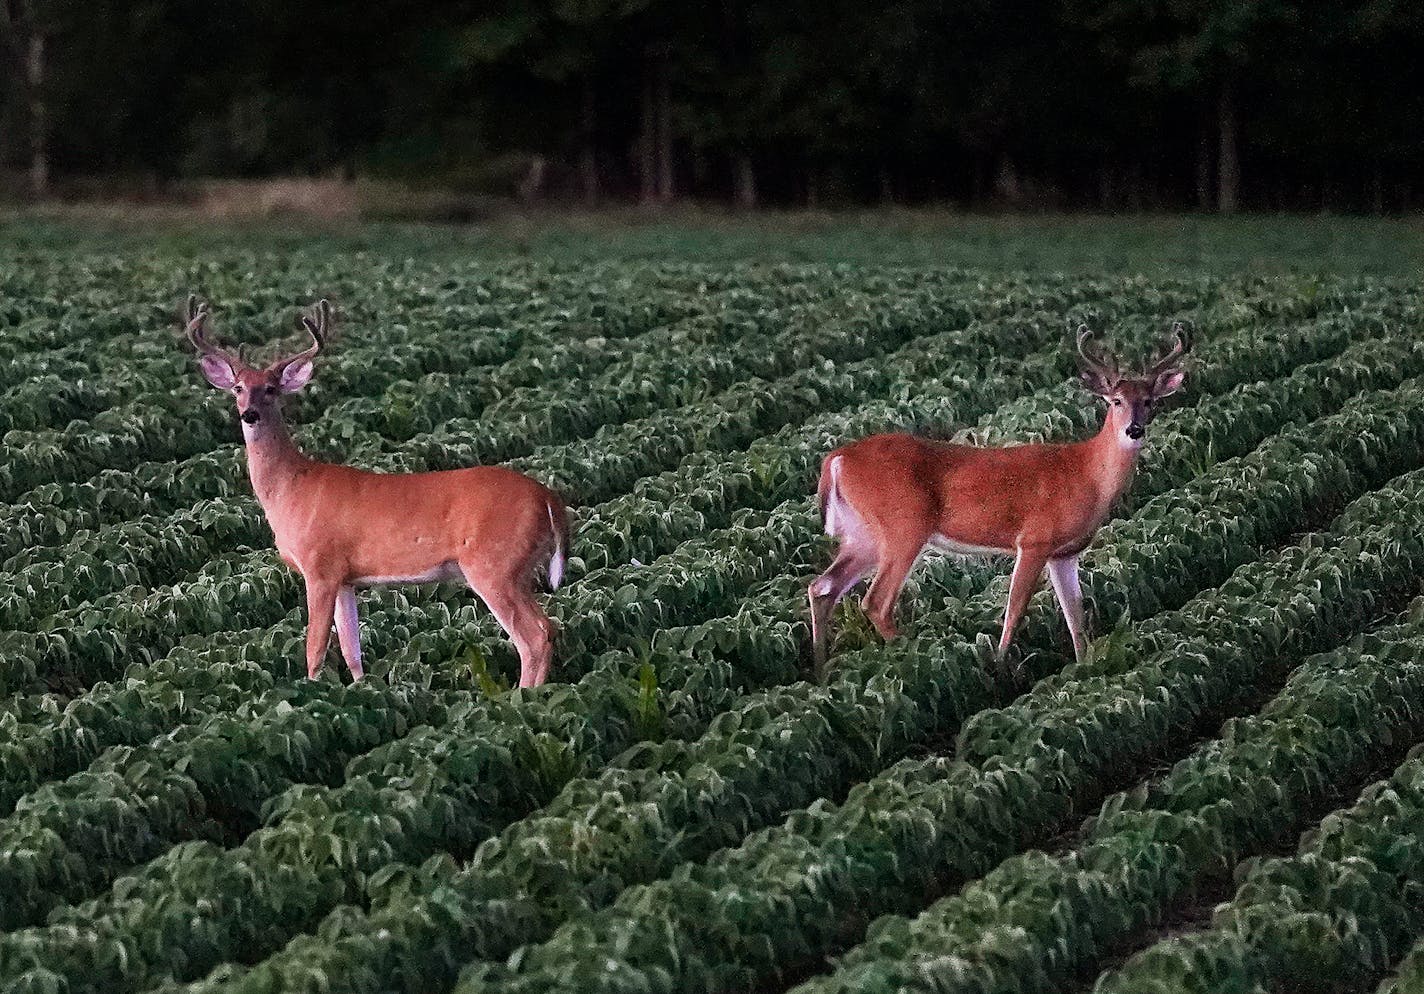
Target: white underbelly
point(448, 570)
point(943, 543)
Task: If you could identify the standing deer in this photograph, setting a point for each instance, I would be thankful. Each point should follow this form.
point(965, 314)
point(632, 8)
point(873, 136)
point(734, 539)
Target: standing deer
point(889, 498)
point(344, 528)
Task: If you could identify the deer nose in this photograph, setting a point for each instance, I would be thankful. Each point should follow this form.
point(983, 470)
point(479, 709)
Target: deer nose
point(251, 417)
point(1135, 430)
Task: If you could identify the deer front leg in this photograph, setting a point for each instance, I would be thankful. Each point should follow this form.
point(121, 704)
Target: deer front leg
point(348, 630)
point(1028, 567)
point(1064, 574)
point(321, 606)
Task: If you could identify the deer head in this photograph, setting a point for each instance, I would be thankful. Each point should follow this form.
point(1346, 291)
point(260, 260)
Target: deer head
point(1132, 400)
point(257, 391)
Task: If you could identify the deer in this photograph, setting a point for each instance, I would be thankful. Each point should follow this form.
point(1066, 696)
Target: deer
point(890, 498)
point(344, 528)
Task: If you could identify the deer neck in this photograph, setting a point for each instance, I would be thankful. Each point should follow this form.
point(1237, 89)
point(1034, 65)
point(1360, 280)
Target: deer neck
point(1113, 458)
point(274, 463)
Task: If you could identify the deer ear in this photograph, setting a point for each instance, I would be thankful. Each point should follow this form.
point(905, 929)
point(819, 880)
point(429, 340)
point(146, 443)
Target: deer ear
point(218, 371)
point(1169, 382)
point(295, 375)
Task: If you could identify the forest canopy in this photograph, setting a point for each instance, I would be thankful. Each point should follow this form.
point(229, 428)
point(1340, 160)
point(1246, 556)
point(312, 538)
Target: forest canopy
point(1116, 104)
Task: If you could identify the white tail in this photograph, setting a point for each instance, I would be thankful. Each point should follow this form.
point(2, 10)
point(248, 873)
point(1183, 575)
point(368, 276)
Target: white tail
point(558, 523)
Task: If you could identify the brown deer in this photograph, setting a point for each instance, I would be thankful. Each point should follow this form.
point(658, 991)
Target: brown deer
point(344, 528)
point(889, 498)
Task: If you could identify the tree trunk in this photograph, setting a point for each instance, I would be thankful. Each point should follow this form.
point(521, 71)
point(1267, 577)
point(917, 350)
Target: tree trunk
point(1204, 170)
point(744, 192)
point(664, 116)
point(647, 159)
point(35, 107)
point(1228, 168)
point(588, 145)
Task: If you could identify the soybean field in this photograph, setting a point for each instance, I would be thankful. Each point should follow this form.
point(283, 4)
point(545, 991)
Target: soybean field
point(1226, 795)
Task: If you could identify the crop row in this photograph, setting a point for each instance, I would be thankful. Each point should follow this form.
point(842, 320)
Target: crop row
point(65, 839)
point(1331, 916)
point(1039, 920)
point(787, 896)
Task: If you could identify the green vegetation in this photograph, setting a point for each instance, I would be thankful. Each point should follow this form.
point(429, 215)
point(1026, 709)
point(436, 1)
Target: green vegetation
point(683, 809)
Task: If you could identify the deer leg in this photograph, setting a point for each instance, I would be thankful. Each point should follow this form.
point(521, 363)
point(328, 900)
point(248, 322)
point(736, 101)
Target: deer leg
point(890, 575)
point(1028, 567)
point(848, 568)
point(321, 606)
point(348, 631)
point(523, 620)
point(1064, 574)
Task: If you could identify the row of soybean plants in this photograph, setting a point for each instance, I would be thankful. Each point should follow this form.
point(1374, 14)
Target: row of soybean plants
point(1037, 921)
point(183, 419)
point(758, 722)
point(567, 718)
point(1333, 915)
point(240, 590)
point(673, 802)
point(788, 896)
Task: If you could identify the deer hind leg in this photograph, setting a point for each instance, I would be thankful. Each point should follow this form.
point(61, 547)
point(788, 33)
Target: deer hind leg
point(348, 630)
point(1064, 574)
point(321, 606)
point(512, 603)
point(850, 566)
point(1028, 567)
point(896, 561)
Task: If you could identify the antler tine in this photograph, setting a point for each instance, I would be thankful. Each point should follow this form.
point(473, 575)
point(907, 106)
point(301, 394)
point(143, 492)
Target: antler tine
point(198, 314)
point(1180, 347)
point(1104, 362)
point(316, 325)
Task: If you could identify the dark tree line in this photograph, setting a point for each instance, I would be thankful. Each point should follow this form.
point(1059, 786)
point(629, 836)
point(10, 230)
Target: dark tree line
point(1210, 104)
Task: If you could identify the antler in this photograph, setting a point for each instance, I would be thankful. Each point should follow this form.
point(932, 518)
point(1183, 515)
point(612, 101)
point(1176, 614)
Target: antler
point(316, 325)
point(1180, 347)
point(1103, 363)
point(198, 315)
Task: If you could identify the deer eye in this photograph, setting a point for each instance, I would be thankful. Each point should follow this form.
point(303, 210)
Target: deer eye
point(1117, 402)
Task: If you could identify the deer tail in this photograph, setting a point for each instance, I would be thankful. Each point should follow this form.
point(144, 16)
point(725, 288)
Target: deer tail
point(559, 526)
